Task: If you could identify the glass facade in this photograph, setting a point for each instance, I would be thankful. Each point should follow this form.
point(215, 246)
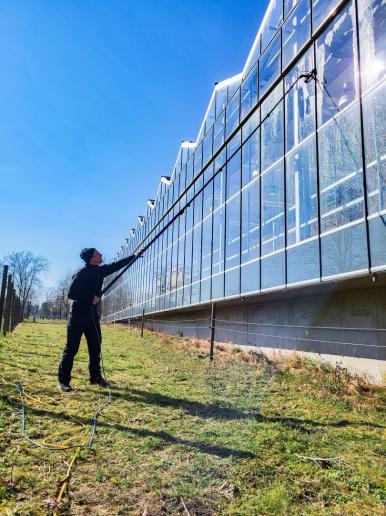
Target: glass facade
point(286, 183)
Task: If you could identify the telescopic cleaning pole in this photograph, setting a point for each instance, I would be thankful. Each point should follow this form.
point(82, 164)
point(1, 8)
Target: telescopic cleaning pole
point(307, 76)
point(140, 250)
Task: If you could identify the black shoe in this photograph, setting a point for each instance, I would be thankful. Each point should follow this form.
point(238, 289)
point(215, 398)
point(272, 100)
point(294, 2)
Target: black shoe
point(64, 387)
point(100, 381)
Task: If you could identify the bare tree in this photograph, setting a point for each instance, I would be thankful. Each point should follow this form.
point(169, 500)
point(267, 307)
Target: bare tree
point(62, 292)
point(26, 269)
point(49, 308)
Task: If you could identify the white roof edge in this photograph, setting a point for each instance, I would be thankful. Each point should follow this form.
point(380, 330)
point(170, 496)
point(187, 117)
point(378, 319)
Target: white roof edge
point(255, 43)
point(227, 82)
point(218, 86)
point(186, 144)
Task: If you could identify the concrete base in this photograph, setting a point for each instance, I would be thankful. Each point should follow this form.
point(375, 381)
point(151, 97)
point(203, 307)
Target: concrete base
point(343, 321)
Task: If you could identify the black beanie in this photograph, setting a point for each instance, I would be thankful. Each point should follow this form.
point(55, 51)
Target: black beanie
point(86, 254)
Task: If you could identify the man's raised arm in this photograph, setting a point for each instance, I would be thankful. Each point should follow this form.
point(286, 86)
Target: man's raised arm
point(116, 266)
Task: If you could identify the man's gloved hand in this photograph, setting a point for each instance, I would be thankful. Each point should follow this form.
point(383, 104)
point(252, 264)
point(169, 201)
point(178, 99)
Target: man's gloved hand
point(96, 300)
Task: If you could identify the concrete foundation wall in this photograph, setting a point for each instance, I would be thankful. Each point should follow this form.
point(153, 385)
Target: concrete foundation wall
point(346, 325)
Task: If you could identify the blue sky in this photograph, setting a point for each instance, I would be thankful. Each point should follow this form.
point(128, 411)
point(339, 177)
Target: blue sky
point(95, 98)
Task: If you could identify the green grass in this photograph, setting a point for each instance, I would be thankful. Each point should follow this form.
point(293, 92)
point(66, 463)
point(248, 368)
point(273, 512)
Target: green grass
point(234, 437)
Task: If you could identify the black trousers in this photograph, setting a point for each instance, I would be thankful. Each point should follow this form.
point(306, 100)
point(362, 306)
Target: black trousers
point(79, 324)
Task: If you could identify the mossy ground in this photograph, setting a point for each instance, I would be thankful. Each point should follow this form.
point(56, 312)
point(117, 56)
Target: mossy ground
point(183, 436)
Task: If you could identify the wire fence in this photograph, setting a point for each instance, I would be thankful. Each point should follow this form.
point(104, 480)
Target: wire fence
point(218, 329)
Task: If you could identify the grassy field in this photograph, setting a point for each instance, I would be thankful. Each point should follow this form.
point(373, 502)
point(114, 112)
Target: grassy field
point(241, 436)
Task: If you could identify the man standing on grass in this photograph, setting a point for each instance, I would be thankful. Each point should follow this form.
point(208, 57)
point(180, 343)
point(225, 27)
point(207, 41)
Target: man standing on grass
point(86, 291)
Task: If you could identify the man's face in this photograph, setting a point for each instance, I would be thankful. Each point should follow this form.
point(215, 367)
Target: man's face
point(96, 258)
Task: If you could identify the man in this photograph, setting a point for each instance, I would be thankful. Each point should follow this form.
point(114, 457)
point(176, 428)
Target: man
point(86, 291)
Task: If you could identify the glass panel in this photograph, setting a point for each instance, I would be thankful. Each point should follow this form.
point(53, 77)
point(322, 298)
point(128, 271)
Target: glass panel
point(321, 10)
point(195, 296)
point(205, 290)
point(218, 241)
point(220, 160)
point(219, 189)
point(232, 282)
point(272, 128)
point(207, 147)
point(273, 271)
point(374, 116)
point(198, 160)
point(296, 31)
point(250, 159)
point(187, 292)
point(344, 251)
point(221, 100)
point(288, 5)
point(206, 247)
point(250, 277)
point(233, 175)
point(249, 92)
point(218, 133)
point(189, 217)
point(181, 257)
point(302, 205)
point(250, 222)
point(273, 22)
point(163, 272)
point(197, 209)
point(173, 279)
point(179, 297)
point(377, 232)
point(269, 65)
point(337, 74)
point(199, 183)
point(208, 200)
point(250, 125)
point(211, 116)
point(233, 114)
point(300, 102)
point(272, 223)
point(188, 259)
point(208, 173)
point(234, 144)
point(189, 194)
point(232, 87)
point(189, 173)
point(340, 170)
point(218, 286)
point(196, 264)
point(372, 33)
point(232, 232)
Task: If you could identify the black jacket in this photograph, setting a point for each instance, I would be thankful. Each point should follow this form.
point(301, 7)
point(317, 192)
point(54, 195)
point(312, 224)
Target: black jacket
point(88, 281)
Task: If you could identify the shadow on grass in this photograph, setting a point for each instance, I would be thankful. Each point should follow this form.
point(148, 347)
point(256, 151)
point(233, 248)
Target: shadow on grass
point(215, 411)
point(34, 369)
point(195, 408)
point(32, 353)
point(166, 437)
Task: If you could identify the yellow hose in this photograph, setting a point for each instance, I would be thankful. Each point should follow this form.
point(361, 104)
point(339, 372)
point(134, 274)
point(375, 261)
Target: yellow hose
point(66, 480)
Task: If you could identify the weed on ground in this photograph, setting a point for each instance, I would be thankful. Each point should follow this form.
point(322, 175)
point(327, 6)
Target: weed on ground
point(239, 436)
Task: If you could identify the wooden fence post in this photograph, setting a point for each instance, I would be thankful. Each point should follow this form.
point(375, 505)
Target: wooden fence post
point(142, 322)
point(17, 311)
point(13, 307)
point(2, 293)
point(8, 300)
point(212, 330)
